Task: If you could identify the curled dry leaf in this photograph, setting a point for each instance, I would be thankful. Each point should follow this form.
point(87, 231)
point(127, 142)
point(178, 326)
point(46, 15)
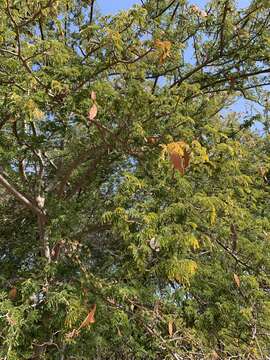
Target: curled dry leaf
point(179, 154)
point(203, 14)
point(154, 245)
point(262, 171)
point(92, 112)
point(194, 8)
point(197, 11)
point(152, 140)
point(265, 174)
point(236, 279)
point(89, 318)
point(12, 293)
point(111, 301)
point(232, 80)
point(164, 48)
point(177, 162)
point(10, 320)
point(170, 328)
point(55, 253)
point(71, 335)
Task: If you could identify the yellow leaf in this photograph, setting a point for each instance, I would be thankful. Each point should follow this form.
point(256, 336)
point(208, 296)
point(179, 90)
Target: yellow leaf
point(200, 152)
point(164, 48)
point(10, 320)
point(181, 270)
point(176, 147)
point(37, 114)
point(193, 242)
point(116, 39)
point(33, 110)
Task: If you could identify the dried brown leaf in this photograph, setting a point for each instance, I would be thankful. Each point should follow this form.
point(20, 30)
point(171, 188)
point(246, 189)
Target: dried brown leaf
point(164, 48)
point(170, 328)
point(236, 279)
point(92, 112)
point(89, 318)
point(10, 320)
point(177, 162)
point(12, 293)
point(71, 335)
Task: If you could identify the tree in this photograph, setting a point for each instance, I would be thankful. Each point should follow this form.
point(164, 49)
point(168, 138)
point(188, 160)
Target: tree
point(134, 205)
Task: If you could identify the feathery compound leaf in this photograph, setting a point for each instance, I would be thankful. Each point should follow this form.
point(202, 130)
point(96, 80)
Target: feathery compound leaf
point(126, 175)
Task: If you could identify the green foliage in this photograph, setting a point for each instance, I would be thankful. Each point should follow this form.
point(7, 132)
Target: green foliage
point(140, 230)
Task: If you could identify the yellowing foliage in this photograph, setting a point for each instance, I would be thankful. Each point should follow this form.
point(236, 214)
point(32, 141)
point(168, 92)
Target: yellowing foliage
point(164, 49)
point(181, 270)
point(179, 155)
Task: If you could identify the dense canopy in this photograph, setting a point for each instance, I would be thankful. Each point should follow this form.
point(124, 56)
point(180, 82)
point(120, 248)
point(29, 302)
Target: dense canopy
point(135, 201)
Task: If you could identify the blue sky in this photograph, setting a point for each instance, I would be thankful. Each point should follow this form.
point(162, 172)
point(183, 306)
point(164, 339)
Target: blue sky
point(112, 6)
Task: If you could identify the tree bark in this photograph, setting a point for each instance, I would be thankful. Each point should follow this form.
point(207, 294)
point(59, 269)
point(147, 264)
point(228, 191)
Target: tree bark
point(37, 209)
point(44, 237)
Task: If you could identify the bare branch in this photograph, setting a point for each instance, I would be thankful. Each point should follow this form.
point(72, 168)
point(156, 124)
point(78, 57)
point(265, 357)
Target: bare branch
point(91, 11)
point(165, 9)
point(223, 24)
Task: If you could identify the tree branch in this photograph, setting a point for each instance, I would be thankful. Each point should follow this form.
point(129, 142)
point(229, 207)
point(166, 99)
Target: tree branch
point(91, 11)
point(164, 10)
point(223, 28)
point(20, 197)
